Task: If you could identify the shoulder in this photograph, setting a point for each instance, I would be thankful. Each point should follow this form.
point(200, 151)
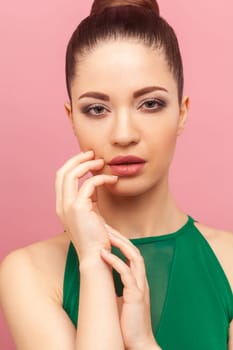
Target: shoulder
point(221, 242)
point(31, 280)
point(41, 263)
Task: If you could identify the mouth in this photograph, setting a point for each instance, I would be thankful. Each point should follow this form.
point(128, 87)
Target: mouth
point(127, 159)
point(126, 163)
point(127, 169)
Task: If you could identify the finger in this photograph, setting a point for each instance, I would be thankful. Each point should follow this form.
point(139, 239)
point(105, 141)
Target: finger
point(119, 239)
point(110, 230)
point(95, 197)
point(88, 187)
point(71, 179)
point(125, 272)
point(134, 257)
point(60, 175)
point(76, 159)
point(140, 271)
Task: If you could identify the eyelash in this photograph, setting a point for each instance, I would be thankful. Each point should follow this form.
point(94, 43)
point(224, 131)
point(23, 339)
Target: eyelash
point(160, 103)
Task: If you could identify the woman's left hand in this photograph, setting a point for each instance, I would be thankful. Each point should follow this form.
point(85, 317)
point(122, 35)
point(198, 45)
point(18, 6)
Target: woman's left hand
point(135, 317)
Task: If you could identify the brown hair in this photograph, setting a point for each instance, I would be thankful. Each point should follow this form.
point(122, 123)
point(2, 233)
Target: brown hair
point(112, 19)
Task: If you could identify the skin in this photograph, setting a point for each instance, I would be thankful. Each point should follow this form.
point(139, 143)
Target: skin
point(141, 204)
point(133, 206)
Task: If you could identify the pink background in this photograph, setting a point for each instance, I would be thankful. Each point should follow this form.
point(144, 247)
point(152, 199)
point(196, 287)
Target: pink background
point(36, 137)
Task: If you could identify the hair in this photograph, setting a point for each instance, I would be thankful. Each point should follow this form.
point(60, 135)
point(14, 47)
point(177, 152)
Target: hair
point(125, 19)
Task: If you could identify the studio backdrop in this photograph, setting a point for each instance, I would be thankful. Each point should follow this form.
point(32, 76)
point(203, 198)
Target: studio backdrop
point(36, 136)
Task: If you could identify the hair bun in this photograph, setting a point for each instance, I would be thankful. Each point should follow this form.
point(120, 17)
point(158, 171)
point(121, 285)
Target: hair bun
point(99, 5)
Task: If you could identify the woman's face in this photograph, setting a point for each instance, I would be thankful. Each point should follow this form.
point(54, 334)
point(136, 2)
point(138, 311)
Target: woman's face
point(125, 121)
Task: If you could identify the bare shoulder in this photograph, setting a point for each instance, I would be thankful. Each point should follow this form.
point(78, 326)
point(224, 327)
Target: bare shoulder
point(31, 281)
point(43, 262)
point(221, 242)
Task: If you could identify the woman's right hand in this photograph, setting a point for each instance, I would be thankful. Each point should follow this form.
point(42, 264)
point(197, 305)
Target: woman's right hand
point(77, 207)
point(134, 305)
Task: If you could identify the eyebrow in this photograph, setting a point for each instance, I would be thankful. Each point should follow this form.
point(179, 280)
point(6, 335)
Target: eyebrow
point(136, 94)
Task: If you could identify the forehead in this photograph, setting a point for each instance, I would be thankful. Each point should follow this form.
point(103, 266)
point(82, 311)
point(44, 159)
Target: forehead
point(123, 63)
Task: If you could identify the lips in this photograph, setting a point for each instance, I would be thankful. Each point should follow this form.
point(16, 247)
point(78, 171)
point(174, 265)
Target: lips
point(130, 159)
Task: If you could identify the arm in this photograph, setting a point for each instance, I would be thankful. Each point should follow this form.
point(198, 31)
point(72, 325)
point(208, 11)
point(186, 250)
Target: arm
point(31, 305)
point(35, 318)
point(98, 320)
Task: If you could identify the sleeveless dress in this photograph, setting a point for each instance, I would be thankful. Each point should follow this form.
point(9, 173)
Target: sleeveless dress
point(191, 298)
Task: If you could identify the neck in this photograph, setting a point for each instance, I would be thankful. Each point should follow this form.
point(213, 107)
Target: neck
point(153, 212)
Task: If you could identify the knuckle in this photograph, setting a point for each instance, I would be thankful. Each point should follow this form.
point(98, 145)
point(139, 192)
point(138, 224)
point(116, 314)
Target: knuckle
point(140, 258)
point(76, 206)
point(89, 180)
point(70, 208)
point(135, 249)
point(58, 176)
point(58, 211)
point(138, 255)
point(58, 173)
point(126, 270)
point(68, 174)
point(66, 209)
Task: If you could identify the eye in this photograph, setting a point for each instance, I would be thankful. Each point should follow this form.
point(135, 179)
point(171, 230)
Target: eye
point(96, 107)
point(154, 104)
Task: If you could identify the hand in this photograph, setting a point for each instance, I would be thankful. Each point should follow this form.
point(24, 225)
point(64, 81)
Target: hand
point(135, 318)
point(77, 209)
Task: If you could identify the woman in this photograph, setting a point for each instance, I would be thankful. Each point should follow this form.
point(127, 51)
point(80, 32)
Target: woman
point(131, 270)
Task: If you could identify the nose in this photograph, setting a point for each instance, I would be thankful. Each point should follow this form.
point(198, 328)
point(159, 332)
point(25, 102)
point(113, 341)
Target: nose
point(124, 130)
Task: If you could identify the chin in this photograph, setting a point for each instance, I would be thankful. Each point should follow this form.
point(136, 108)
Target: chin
point(128, 186)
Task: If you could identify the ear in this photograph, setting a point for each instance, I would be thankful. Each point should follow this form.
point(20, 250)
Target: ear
point(68, 109)
point(184, 108)
point(69, 113)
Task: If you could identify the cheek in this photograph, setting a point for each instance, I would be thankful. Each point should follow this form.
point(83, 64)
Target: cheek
point(88, 138)
point(163, 135)
point(163, 142)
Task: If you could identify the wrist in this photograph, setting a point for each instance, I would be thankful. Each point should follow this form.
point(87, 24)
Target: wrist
point(93, 261)
point(90, 252)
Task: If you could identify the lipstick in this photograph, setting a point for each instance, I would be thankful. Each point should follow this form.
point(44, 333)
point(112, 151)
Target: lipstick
point(126, 165)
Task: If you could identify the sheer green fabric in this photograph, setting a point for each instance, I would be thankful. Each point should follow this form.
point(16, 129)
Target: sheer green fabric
point(191, 298)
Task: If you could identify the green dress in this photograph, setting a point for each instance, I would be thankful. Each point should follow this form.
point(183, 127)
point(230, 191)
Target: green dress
point(191, 298)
